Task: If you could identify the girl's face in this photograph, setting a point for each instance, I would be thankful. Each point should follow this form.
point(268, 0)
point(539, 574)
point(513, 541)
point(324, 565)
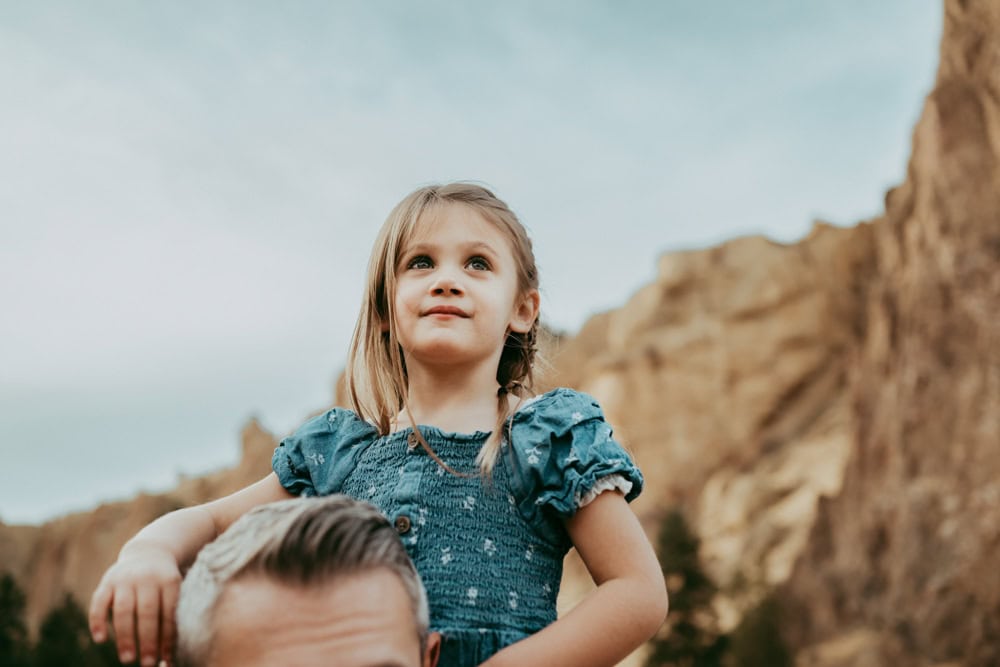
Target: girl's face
point(457, 293)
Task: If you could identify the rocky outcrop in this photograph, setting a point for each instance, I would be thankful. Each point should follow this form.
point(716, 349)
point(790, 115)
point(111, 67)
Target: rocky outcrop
point(728, 354)
point(908, 550)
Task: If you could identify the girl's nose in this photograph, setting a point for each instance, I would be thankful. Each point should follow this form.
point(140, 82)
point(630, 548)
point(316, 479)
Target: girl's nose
point(445, 283)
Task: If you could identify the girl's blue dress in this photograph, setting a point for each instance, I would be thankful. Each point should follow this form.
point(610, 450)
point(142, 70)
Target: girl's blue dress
point(490, 553)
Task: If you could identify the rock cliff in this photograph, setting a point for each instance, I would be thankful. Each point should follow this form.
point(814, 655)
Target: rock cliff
point(905, 555)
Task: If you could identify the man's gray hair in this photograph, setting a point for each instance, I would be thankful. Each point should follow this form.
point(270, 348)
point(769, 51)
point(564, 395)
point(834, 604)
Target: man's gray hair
point(301, 543)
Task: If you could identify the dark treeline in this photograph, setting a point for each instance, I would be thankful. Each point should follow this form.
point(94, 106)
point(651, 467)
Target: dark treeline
point(63, 638)
point(691, 637)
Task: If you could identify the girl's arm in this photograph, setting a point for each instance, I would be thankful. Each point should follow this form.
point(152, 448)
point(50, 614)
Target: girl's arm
point(140, 589)
point(627, 608)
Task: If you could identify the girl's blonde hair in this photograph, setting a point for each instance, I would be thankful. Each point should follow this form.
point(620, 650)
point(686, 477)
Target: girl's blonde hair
point(376, 372)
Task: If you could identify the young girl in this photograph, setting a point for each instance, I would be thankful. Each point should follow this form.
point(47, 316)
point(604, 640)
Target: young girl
point(487, 500)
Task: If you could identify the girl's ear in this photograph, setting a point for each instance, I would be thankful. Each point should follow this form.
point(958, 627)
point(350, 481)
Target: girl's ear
point(525, 312)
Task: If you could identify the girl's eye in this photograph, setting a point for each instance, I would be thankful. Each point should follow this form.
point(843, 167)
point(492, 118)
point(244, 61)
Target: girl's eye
point(478, 264)
point(420, 262)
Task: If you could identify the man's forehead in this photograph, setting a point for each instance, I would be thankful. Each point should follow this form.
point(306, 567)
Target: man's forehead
point(359, 620)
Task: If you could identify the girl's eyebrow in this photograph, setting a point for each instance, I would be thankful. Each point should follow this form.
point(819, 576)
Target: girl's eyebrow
point(470, 247)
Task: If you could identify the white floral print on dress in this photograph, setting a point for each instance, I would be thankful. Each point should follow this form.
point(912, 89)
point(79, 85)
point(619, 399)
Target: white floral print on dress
point(469, 503)
point(471, 595)
point(512, 600)
point(577, 417)
point(489, 546)
point(533, 455)
point(317, 458)
point(446, 556)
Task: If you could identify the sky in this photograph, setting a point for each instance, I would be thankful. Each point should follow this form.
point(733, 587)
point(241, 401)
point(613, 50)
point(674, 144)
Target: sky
point(189, 190)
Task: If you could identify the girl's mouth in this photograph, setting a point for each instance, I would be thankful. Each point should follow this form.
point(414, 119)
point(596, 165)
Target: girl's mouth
point(446, 310)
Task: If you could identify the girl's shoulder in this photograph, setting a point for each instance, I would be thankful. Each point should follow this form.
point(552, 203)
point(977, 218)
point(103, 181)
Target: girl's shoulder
point(319, 455)
point(333, 425)
point(558, 409)
point(561, 453)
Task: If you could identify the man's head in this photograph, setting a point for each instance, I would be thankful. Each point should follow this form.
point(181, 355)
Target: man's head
point(310, 582)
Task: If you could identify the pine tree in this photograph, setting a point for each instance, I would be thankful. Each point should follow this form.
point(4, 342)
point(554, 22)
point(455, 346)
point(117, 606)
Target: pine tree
point(13, 632)
point(689, 637)
point(757, 639)
point(64, 639)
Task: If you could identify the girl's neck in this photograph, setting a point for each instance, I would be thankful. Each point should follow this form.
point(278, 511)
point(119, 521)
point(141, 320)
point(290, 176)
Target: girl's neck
point(462, 402)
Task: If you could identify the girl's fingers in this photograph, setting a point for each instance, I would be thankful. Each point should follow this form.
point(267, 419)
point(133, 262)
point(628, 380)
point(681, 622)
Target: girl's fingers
point(147, 613)
point(123, 613)
point(168, 627)
point(98, 616)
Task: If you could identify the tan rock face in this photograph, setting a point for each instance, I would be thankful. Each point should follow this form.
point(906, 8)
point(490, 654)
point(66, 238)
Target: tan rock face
point(909, 548)
point(734, 352)
point(755, 522)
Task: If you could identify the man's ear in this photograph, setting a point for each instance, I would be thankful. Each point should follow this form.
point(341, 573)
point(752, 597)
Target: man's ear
point(433, 651)
point(525, 312)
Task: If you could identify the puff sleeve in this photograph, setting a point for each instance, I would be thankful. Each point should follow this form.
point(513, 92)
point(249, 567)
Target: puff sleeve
point(317, 458)
point(562, 454)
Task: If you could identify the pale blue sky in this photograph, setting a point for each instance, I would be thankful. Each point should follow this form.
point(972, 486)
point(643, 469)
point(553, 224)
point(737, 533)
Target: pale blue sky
point(189, 190)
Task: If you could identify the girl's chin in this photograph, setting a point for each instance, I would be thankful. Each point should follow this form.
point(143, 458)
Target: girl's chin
point(447, 354)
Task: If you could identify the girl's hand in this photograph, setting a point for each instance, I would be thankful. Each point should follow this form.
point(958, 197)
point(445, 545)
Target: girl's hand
point(140, 590)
